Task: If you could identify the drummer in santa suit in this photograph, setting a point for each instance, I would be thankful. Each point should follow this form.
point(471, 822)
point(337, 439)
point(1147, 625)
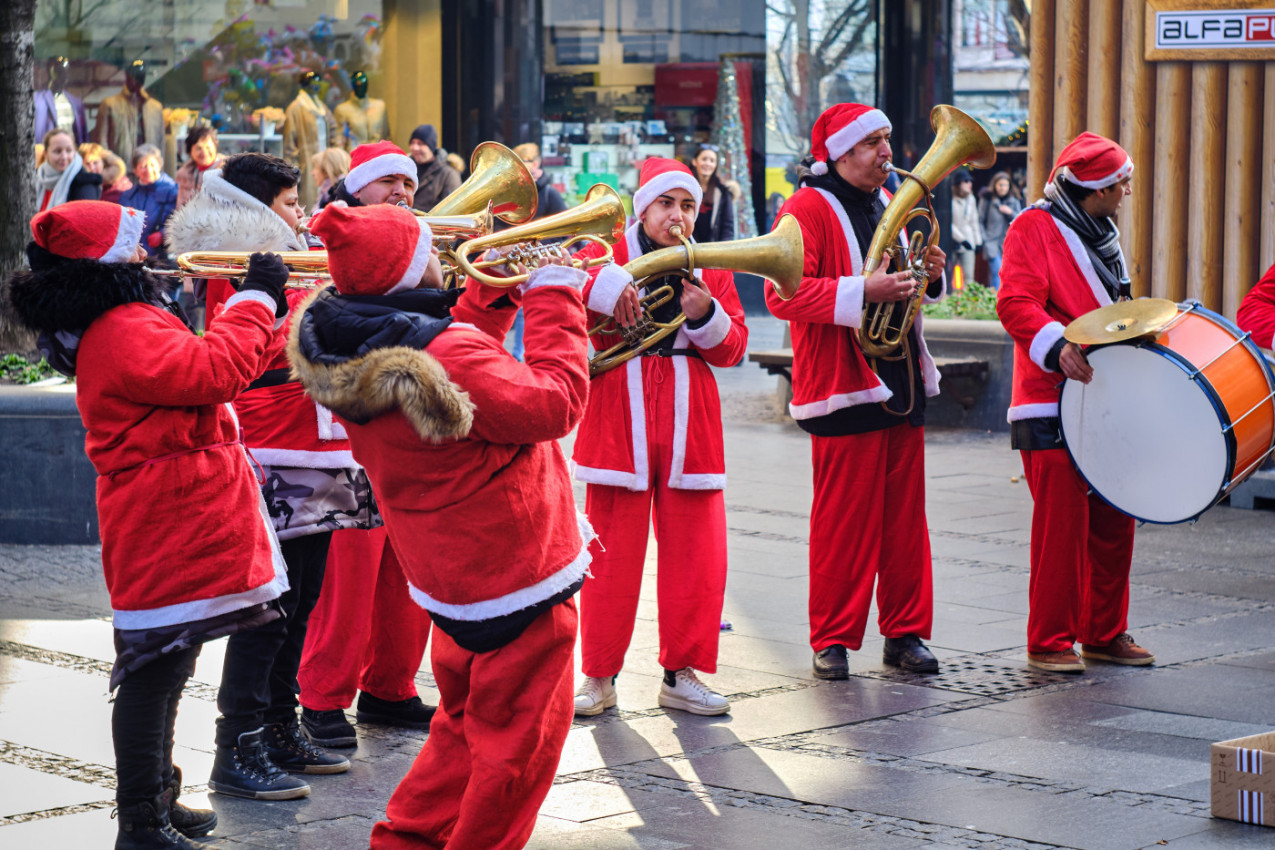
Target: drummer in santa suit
point(652, 433)
point(1257, 311)
point(1062, 259)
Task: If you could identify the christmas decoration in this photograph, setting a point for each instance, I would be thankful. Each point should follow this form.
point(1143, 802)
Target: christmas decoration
point(728, 135)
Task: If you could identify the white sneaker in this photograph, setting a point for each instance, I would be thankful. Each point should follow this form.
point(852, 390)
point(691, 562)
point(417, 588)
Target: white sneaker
point(690, 694)
point(595, 696)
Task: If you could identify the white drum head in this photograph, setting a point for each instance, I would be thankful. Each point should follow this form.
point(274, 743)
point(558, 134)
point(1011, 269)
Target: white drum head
point(1144, 435)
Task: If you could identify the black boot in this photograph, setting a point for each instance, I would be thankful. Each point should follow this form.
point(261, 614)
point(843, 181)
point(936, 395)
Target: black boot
point(289, 749)
point(245, 770)
point(145, 826)
point(409, 713)
point(189, 822)
point(910, 654)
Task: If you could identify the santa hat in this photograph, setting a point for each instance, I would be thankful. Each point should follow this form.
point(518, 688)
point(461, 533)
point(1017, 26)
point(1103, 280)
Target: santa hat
point(840, 128)
point(369, 163)
point(373, 250)
point(89, 230)
point(1092, 161)
point(660, 176)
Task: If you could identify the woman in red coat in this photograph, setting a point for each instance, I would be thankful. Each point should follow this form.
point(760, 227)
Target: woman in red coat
point(174, 488)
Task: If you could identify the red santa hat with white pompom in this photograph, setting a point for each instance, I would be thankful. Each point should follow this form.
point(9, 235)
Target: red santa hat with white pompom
point(369, 163)
point(659, 176)
point(840, 128)
point(373, 250)
point(1092, 161)
point(89, 230)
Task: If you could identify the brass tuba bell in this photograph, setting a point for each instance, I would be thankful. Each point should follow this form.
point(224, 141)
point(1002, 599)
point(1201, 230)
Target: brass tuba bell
point(959, 140)
point(498, 181)
point(777, 256)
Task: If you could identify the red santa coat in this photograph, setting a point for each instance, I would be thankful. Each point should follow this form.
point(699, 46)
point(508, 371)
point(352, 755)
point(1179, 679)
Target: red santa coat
point(184, 532)
point(1257, 311)
point(611, 449)
point(1047, 280)
point(829, 371)
point(467, 471)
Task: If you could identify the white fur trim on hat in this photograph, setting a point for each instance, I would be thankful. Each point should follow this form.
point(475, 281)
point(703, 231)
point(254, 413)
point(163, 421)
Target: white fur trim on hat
point(662, 184)
point(380, 166)
point(854, 132)
point(420, 259)
point(1111, 179)
point(127, 236)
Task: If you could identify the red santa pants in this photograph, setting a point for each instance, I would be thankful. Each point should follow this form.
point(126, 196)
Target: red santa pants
point(1080, 556)
point(690, 533)
point(867, 525)
point(366, 634)
point(493, 746)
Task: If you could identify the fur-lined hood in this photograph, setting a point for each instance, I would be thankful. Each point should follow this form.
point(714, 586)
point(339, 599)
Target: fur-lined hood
point(364, 387)
point(70, 295)
point(223, 217)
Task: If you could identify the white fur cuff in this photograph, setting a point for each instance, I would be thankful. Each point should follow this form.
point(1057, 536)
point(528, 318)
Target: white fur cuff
point(556, 276)
point(711, 334)
point(607, 288)
point(1044, 340)
point(848, 311)
point(252, 295)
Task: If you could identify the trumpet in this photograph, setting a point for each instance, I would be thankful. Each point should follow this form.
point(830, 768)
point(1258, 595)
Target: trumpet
point(599, 219)
point(306, 269)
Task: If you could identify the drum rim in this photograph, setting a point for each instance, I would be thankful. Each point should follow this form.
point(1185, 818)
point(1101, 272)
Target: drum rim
point(1224, 421)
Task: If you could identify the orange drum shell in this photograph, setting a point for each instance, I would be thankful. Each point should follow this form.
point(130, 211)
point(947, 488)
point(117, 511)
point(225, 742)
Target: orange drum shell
point(1237, 376)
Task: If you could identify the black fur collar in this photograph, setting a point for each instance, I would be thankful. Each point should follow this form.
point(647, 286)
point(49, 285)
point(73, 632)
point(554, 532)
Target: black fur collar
point(69, 295)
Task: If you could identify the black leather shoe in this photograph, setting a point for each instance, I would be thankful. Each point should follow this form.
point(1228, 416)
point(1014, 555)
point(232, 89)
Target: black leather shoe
point(831, 663)
point(405, 714)
point(908, 653)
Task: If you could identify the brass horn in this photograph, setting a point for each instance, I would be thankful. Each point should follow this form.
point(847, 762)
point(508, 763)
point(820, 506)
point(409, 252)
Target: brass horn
point(302, 265)
point(958, 140)
point(498, 181)
point(778, 256)
point(600, 218)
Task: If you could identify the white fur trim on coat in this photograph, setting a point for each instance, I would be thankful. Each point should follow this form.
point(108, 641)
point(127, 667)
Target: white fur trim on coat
point(420, 259)
point(840, 401)
point(306, 459)
point(1040, 410)
point(1081, 256)
point(677, 479)
point(662, 184)
point(255, 295)
point(607, 288)
point(849, 309)
point(329, 428)
point(559, 276)
point(1044, 340)
point(854, 132)
point(223, 217)
point(127, 236)
point(712, 333)
point(380, 166)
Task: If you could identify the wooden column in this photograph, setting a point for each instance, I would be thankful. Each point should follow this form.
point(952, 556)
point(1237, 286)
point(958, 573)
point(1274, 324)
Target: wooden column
point(1104, 69)
point(1071, 67)
point(1203, 256)
point(412, 66)
point(1241, 196)
point(1172, 159)
point(1137, 136)
point(1266, 255)
point(1040, 102)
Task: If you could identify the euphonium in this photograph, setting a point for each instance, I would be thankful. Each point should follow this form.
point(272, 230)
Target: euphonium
point(600, 218)
point(498, 182)
point(959, 140)
point(778, 256)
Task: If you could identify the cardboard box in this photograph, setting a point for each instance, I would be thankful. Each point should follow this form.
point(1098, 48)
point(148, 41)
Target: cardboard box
point(1242, 779)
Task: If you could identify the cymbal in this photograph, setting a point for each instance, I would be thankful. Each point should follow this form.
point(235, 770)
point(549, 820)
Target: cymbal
point(1121, 321)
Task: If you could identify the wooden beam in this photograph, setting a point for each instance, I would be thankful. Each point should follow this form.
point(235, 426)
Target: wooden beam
point(1137, 136)
point(1071, 70)
point(1266, 254)
point(1104, 69)
point(1172, 158)
point(1241, 196)
point(1040, 98)
point(1203, 256)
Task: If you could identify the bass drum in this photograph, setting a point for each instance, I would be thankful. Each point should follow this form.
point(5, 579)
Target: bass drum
point(1169, 425)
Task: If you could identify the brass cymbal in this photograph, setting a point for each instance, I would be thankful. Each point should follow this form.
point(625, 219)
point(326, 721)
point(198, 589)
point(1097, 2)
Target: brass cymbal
point(1121, 321)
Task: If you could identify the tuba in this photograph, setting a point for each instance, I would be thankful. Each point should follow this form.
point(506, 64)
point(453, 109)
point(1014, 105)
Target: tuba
point(599, 219)
point(778, 256)
point(959, 140)
point(499, 183)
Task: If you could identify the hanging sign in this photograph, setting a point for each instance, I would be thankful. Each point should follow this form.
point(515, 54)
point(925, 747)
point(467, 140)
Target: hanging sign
point(1201, 30)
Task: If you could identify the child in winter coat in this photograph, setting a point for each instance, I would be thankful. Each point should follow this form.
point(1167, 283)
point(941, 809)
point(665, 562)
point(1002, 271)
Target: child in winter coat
point(187, 550)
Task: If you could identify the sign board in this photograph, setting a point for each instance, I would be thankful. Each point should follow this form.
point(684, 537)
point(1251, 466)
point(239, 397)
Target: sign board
point(1210, 30)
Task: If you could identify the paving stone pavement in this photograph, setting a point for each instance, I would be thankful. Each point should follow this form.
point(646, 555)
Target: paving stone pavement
point(987, 754)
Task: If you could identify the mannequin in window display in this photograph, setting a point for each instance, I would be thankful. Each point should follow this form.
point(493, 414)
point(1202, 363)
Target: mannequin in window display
point(307, 129)
point(360, 119)
point(56, 107)
point(132, 117)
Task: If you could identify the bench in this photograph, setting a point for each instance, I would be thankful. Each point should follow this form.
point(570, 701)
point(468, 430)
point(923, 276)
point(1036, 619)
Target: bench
point(779, 362)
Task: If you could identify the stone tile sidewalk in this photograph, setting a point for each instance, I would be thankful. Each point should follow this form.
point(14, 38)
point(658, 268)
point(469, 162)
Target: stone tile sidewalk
point(987, 754)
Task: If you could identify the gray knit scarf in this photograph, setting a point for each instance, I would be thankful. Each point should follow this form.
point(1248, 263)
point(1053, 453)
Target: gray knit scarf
point(1101, 239)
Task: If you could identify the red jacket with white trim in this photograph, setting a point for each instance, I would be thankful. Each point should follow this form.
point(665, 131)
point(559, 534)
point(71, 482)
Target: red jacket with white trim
point(610, 445)
point(829, 371)
point(1257, 311)
point(184, 537)
point(1047, 280)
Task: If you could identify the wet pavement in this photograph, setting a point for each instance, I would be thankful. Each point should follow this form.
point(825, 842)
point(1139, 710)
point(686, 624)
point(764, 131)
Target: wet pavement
point(986, 754)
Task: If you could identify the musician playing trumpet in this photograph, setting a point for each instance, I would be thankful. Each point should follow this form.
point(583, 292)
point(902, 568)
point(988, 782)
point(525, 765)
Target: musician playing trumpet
point(652, 435)
point(1062, 259)
point(865, 415)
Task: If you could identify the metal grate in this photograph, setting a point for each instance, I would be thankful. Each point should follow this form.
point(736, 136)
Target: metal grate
point(976, 675)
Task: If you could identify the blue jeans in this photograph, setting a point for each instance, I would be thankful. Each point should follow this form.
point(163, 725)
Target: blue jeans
point(994, 272)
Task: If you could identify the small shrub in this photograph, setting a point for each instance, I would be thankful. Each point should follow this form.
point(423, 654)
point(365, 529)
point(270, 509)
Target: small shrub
point(17, 369)
point(975, 301)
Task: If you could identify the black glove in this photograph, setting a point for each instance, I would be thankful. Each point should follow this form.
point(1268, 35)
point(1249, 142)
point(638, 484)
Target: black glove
point(966, 246)
point(268, 274)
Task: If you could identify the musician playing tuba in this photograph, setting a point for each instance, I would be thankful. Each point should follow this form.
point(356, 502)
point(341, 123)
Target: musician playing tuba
point(652, 432)
point(865, 415)
point(1063, 259)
